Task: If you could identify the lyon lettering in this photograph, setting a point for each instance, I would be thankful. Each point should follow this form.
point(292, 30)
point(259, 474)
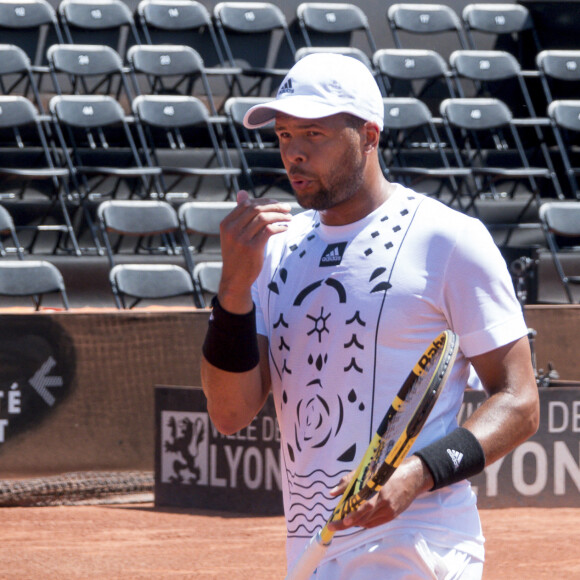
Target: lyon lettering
point(533, 481)
point(248, 467)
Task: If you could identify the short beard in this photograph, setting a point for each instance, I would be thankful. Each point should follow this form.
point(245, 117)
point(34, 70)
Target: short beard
point(341, 187)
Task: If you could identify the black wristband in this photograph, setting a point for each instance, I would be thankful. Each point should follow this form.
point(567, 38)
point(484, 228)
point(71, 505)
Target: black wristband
point(231, 342)
point(453, 458)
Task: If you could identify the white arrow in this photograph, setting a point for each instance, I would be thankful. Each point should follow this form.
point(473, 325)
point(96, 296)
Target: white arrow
point(40, 381)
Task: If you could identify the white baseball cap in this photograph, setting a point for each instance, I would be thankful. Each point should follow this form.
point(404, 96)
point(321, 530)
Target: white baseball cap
point(320, 85)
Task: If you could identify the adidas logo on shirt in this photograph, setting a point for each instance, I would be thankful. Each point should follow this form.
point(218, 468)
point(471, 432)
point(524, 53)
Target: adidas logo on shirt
point(332, 256)
point(456, 457)
point(286, 88)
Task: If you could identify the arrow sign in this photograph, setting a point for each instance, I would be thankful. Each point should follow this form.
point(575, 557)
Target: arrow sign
point(40, 381)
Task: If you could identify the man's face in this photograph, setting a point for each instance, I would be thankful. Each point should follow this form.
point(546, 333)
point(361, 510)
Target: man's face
point(323, 158)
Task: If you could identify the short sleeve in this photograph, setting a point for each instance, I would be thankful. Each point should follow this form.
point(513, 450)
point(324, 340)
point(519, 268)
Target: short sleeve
point(478, 294)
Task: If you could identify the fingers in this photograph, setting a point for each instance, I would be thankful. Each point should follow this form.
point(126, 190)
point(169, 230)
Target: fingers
point(361, 517)
point(241, 196)
point(341, 486)
point(253, 219)
point(243, 236)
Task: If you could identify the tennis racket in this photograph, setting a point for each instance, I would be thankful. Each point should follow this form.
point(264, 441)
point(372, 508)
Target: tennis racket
point(396, 434)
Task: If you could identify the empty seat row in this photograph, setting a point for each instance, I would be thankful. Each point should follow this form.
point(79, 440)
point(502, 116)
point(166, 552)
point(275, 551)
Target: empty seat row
point(156, 228)
point(127, 229)
point(226, 35)
point(87, 149)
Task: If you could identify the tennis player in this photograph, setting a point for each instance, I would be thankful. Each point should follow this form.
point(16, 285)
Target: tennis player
point(331, 308)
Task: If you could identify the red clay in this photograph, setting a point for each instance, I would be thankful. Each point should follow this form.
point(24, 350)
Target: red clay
point(141, 542)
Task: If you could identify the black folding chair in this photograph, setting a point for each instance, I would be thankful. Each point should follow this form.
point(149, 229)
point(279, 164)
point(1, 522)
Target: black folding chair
point(170, 69)
point(200, 227)
point(419, 73)
point(243, 27)
point(208, 276)
point(150, 228)
point(187, 23)
point(561, 226)
point(97, 140)
point(109, 22)
point(565, 119)
point(502, 26)
point(200, 230)
point(485, 138)
point(138, 227)
point(89, 69)
point(559, 74)
point(32, 26)
point(8, 231)
point(151, 282)
point(498, 74)
point(181, 139)
point(333, 24)
point(409, 22)
point(33, 279)
point(413, 153)
point(17, 76)
point(256, 149)
point(29, 171)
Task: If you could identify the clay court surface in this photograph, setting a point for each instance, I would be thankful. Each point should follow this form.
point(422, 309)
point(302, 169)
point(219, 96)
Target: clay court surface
point(141, 542)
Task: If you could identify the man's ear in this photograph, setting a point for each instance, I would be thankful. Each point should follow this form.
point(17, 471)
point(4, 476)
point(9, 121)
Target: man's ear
point(371, 135)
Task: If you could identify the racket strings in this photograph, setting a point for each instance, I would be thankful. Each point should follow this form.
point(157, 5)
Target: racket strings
point(369, 479)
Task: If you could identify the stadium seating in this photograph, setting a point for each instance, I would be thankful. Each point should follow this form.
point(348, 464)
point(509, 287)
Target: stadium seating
point(29, 169)
point(8, 231)
point(150, 228)
point(17, 75)
point(153, 65)
point(418, 73)
point(407, 21)
point(485, 138)
point(561, 225)
point(109, 22)
point(243, 26)
point(188, 23)
point(90, 69)
point(32, 26)
point(412, 153)
point(170, 69)
point(32, 279)
point(257, 150)
point(333, 25)
point(502, 26)
point(174, 129)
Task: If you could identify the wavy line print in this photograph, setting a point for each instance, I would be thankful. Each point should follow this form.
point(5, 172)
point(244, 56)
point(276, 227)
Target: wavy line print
point(309, 497)
point(297, 504)
point(327, 476)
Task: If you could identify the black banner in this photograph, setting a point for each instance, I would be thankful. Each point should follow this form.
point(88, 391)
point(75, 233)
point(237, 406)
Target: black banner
point(544, 471)
point(37, 371)
point(196, 466)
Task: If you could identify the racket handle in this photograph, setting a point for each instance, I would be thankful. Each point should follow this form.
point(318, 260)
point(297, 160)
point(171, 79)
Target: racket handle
point(305, 566)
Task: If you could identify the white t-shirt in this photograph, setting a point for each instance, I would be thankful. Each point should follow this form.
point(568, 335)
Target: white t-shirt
point(347, 311)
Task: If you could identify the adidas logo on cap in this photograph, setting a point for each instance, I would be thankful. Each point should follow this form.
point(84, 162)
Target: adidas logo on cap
point(286, 88)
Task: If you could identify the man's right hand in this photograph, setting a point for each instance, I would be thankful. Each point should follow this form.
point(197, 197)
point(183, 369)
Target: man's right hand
point(244, 234)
